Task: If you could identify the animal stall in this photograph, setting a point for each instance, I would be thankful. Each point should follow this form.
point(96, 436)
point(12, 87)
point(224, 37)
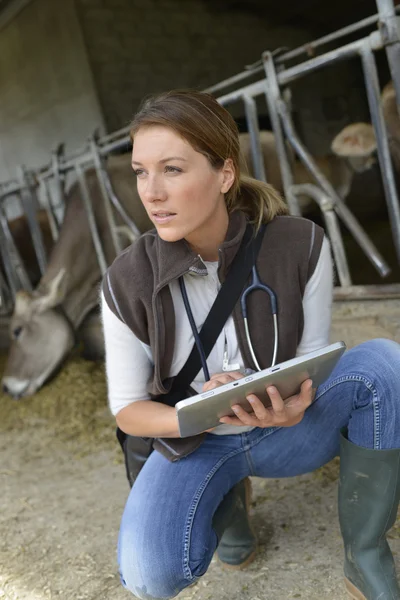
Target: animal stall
point(268, 78)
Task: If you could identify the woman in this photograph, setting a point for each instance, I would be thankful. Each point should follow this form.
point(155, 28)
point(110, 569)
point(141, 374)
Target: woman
point(185, 156)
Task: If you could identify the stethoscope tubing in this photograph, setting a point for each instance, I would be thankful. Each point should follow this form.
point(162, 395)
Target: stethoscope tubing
point(254, 286)
point(194, 329)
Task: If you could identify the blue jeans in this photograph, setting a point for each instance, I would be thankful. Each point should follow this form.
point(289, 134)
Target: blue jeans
point(166, 539)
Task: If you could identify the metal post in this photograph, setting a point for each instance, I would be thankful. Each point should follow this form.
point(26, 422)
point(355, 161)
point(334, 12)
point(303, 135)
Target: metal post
point(257, 67)
point(106, 200)
point(119, 208)
point(272, 93)
point(13, 265)
point(390, 31)
point(29, 203)
point(91, 219)
point(49, 209)
point(327, 208)
point(343, 211)
point(255, 143)
point(385, 162)
point(58, 181)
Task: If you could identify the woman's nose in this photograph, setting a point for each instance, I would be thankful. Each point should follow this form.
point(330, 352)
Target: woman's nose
point(154, 190)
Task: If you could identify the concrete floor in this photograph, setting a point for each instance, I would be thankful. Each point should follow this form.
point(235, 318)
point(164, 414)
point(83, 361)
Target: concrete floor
point(60, 511)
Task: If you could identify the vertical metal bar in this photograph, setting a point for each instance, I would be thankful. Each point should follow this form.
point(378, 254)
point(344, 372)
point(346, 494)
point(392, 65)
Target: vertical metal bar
point(13, 265)
point(91, 219)
point(327, 208)
point(390, 31)
point(54, 228)
point(273, 95)
point(106, 200)
point(255, 142)
point(29, 203)
point(58, 179)
point(340, 207)
point(385, 161)
point(5, 296)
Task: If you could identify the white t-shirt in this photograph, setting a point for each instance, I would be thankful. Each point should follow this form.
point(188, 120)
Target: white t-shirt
point(129, 362)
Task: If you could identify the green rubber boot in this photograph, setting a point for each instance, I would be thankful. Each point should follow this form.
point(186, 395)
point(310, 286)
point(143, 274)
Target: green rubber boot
point(369, 492)
point(238, 543)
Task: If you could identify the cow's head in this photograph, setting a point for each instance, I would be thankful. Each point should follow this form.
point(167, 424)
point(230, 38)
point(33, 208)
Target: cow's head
point(41, 337)
point(356, 143)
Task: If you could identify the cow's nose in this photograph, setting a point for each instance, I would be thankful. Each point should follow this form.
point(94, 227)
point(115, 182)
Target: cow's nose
point(13, 386)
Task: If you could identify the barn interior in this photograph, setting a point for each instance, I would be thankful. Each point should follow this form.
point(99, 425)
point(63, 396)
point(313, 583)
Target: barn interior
point(65, 74)
point(68, 70)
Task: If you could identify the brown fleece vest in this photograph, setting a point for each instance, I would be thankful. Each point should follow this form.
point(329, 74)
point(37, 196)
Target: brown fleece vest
point(136, 289)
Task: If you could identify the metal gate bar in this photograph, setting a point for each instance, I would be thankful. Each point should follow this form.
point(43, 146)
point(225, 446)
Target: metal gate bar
point(258, 67)
point(30, 204)
point(13, 265)
point(255, 142)
point(385, 161)
point(91, 218)
point(390, 31)
point(327, 208)
point(97, 161)
point(341, 208)
point(275, 101)
point(269, 85)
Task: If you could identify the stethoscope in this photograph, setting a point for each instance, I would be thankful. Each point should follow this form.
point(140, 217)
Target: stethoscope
point(255, 285)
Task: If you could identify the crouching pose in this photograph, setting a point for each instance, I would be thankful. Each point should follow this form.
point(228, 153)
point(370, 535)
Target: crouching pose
point(179, 512)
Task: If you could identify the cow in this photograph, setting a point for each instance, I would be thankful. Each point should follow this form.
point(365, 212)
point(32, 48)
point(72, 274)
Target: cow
point(336, 169)
point(392, 120)
point(44, 322)
point(22, 237)
point(357, 141)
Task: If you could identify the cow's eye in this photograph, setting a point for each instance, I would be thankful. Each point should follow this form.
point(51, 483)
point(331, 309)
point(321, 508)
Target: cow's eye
point(17, 332)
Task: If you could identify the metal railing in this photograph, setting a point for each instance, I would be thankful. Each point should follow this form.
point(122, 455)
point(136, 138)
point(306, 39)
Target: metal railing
point(273, 76)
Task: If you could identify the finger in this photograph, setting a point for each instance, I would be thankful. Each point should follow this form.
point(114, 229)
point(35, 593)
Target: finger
point(231, 421)
point(233, 375)
point(277, 404)
point(211, 385)
point(258, 407)
point(304, 399)
point(307, 391)
point(245, 417)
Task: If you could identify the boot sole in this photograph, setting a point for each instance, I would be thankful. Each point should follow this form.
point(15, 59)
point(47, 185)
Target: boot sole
point(253, 555)
point(353, 592)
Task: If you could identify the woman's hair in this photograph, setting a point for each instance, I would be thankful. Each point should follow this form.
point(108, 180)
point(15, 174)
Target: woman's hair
point(210, 129)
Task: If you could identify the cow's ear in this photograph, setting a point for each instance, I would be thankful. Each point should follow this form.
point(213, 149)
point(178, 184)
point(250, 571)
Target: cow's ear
point(23, 303)
point(52, 294)
point(355, 140)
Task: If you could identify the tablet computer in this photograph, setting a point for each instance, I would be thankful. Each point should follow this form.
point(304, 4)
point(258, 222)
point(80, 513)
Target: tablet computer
point(203, 411)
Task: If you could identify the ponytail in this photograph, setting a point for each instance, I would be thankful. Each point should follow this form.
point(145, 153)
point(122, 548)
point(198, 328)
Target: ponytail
point(258, 200)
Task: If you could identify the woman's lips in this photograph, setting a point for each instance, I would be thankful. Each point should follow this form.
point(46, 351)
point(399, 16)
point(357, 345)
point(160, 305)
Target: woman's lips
point(162, 218)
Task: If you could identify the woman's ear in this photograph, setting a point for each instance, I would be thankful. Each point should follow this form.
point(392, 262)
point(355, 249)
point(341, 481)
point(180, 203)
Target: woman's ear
point(228, 172)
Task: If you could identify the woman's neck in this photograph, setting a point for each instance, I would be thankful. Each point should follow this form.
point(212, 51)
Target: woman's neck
point(207, 241)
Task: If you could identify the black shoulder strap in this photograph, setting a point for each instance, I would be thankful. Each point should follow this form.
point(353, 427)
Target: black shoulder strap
point(222, 308)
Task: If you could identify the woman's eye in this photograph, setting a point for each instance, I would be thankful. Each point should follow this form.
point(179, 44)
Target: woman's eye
point(138, 172)
point(17, 332)
point(170, 169)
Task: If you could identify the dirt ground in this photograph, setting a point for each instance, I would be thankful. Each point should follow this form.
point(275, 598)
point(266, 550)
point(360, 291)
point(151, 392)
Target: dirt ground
point(61, 502)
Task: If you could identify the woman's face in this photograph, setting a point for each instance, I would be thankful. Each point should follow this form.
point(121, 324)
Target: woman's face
point(182, 193)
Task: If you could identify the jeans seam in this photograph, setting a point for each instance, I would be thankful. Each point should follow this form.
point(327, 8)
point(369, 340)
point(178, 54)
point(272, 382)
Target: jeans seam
point(192, 511)
point(249, 461)
point(375, 401)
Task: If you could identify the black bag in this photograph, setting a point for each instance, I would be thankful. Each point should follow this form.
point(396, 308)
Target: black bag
point(137, 449)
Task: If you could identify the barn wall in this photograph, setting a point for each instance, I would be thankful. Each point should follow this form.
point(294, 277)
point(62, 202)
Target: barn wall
point(136, 48)
point(47, 94)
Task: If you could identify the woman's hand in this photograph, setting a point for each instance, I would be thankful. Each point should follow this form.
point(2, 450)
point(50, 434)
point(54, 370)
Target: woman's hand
point(281, 413)
point(221, 379)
